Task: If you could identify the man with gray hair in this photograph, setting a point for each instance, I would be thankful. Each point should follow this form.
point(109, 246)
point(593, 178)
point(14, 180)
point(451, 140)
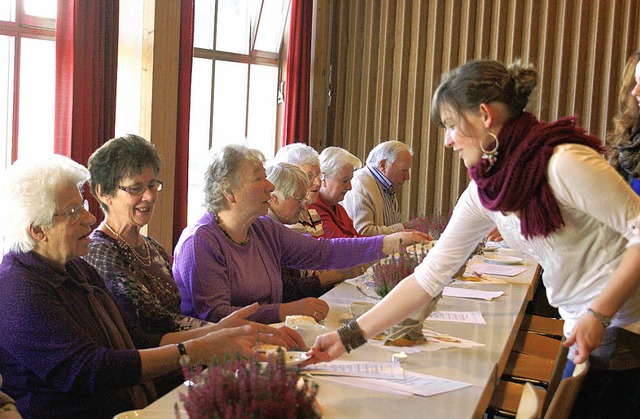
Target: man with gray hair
point(372, 202)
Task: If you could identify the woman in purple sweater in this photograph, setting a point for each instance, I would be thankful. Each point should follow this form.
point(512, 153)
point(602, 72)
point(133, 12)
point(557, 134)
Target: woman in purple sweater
point(233, 255)
point(65, 348)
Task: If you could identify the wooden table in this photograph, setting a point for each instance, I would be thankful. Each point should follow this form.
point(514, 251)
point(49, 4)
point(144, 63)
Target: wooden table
point(481, 367)
point(530, 277)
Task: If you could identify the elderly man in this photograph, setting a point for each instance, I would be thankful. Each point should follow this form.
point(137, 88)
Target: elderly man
point(372, 203)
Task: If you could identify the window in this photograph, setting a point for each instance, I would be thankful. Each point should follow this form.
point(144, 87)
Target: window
point(235, 75)
point(27, 76)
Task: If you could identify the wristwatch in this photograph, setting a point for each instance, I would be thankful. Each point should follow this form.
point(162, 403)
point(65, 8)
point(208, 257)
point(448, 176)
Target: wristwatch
point(184, 357)
point(605, 321)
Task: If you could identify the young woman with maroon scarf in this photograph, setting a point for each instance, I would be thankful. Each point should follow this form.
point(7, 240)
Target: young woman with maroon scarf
point(552, 195)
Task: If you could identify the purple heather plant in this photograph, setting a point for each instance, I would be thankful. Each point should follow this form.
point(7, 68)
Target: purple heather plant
point(433, 224)
point(240, 388)
point(388, 272)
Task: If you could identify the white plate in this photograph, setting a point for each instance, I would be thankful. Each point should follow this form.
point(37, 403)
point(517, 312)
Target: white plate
point(418, 247)
point(490, 248)
point(150, 414)
point(502, 259)
point(292, 358)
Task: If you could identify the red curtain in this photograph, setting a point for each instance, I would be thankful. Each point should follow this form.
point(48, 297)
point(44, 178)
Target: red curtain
point(297, 96)
point(181, 183)
point(86, 68)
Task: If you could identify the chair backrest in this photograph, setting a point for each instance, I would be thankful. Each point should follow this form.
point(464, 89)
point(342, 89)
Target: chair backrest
point(565, 395)
point(535, 344)
point(529, 403)
point(556, 376)
point(543, 325)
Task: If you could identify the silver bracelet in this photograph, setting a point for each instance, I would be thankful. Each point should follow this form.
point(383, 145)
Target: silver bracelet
point(605, 321)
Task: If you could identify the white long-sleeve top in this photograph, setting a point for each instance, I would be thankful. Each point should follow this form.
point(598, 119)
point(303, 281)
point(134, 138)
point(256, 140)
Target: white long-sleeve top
point(578, 259)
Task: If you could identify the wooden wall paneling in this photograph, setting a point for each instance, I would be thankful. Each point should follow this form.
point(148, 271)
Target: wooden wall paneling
point(384, 76)
point(321, 51)
point(562, 52)
point(483, 26)
point(577, 46)
point(401, 47)
point(368, 77)
point(577, 71)
point(530, 29)
point(608, 81)
point(159, 103)
point(498, 29)
point(428, 162)
point(515, 26)
point(544, 59)
point(340, 76)
point(411, 134)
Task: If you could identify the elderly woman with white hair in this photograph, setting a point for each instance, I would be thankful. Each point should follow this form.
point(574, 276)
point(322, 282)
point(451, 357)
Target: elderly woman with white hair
point(337, 166)
point(66, 348)
point(287, 203)
point(307, 159)
point(233, 255)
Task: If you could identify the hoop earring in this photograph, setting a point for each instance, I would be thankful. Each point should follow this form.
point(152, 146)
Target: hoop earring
point(490, 155)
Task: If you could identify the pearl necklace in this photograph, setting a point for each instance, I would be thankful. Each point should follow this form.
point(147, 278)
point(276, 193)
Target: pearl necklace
point(217, 218)
point(145, 260)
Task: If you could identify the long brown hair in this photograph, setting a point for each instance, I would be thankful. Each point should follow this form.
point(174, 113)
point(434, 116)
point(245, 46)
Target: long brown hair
point(627, 117)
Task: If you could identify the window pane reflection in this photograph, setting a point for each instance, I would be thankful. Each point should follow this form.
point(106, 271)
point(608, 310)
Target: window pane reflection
point(229, 103)
point(37, 87)
point(262, 109)
point(8, 10)
point(233, 26)
point(204, 24)
point(272, 21)
point(41, 8)
point(6, 97)
point(198, 135)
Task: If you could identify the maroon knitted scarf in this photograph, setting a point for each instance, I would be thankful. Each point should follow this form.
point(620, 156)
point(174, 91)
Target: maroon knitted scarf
point(517, 181)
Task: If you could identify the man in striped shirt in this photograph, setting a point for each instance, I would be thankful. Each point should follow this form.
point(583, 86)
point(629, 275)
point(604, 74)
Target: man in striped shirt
point(372, 202)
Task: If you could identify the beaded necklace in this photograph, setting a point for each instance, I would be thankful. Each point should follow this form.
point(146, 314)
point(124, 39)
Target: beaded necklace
point(145, 260)
point(245, 242)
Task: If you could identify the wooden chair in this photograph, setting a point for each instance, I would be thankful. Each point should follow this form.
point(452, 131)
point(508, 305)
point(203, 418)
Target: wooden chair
point(540, 361)
point(535, 359)
point(543, 326)
point(529, 404)
point(565, 396)
point(529, 407)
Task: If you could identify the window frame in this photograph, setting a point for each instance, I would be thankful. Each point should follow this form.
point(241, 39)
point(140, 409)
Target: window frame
point(25, 26)
point(254, 57)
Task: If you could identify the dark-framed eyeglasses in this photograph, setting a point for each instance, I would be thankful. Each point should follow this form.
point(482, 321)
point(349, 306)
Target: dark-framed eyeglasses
point(155, 186)
point(75, 213)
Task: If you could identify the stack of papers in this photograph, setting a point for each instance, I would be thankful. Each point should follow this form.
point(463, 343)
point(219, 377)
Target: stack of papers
point(470, 293)
point(374, 376)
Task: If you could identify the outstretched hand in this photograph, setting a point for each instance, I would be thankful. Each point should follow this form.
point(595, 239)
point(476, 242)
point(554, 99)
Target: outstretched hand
point(238, 317)
point(327, 348)
point(391, 242)
point(587, 335)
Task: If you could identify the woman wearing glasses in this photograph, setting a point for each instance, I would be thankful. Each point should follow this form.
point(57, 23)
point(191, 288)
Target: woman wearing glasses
point(287, 203)
point(66, 349)
point(137, 269)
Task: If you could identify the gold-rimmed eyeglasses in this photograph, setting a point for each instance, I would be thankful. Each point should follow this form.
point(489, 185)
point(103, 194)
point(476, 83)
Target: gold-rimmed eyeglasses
point(155, 186)
point(75, 212)
point(302, 201)
point(313, 176)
